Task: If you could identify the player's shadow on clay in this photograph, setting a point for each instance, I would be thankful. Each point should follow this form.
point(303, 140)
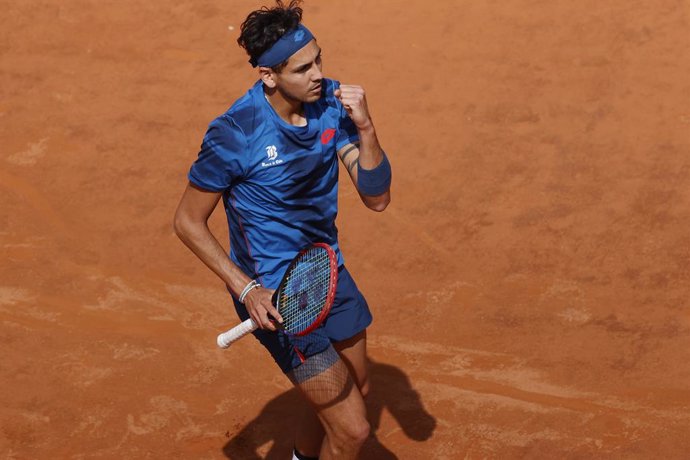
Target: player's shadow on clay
point(390, 390)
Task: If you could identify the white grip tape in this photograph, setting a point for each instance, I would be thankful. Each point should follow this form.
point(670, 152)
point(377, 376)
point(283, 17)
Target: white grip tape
point(236, 333)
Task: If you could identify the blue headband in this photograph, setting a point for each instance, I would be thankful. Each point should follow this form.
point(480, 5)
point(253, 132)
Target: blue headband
point(286, 46)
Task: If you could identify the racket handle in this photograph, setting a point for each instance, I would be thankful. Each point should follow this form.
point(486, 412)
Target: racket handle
point(227, 338)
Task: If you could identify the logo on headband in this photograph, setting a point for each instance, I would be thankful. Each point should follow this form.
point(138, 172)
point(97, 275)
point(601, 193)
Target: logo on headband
point(286, 46)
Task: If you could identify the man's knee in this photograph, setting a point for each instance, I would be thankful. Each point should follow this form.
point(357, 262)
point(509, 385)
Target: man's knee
point(360, 432)
point(349, 437)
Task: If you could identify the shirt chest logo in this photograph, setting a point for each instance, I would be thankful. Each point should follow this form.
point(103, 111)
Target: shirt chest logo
point(271, 152)
point(272, 156)
point(327, 136)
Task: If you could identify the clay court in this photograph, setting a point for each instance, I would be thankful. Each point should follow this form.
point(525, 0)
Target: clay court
point(529, 281)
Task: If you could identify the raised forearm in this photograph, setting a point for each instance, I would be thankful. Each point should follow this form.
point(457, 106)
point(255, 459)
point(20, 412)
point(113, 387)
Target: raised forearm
point(370, 153)
point(370, 171)
point(373, 173)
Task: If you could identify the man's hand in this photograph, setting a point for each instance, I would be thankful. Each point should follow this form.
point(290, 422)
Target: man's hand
point(355, 102)
point(259, 307)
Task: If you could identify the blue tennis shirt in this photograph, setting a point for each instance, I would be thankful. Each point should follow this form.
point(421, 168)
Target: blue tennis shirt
point(279, 182)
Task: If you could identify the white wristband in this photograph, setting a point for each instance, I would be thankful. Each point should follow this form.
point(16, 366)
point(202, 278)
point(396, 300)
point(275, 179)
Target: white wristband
point(251, 285)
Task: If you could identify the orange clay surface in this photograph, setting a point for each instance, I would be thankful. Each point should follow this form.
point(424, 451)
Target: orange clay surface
point(529, 280)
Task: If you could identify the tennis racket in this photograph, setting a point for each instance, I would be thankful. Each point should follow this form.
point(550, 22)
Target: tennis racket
point(304, 295)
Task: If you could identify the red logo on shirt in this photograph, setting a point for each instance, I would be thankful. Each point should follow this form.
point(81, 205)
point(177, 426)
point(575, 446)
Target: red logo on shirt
point(327, 136)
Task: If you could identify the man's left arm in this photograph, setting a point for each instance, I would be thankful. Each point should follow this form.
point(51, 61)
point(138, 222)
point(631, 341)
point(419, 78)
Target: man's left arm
point(366, 162)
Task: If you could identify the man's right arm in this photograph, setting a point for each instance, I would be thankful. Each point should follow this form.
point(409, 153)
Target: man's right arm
point(191, 226)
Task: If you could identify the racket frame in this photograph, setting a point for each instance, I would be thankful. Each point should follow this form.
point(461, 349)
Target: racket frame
point(332, 284)
point(227, 338)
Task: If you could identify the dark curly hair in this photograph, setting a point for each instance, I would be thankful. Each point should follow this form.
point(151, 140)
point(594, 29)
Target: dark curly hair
point(264, 27)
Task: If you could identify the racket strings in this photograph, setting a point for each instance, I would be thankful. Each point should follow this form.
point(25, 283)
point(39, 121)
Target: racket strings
point(305, 291)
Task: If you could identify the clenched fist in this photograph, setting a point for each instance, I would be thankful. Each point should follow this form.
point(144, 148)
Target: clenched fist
point(355, 101)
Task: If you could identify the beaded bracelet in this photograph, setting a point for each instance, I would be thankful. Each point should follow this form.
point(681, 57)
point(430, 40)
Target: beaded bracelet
point(251, 285)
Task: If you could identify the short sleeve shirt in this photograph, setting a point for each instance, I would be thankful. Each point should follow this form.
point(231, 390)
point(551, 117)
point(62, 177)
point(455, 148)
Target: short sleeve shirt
point(279, 182)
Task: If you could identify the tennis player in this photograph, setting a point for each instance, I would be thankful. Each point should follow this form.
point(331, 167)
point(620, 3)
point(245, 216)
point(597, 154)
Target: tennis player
point(273, 160)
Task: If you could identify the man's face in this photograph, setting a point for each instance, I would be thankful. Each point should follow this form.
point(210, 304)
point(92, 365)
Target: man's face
point(300, 79)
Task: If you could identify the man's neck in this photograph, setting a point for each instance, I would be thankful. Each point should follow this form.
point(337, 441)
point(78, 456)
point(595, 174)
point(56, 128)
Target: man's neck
point(291, 111)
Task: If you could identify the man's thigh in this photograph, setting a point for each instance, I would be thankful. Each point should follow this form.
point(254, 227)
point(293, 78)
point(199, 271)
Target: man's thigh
point(353, 352)
point(326, 382)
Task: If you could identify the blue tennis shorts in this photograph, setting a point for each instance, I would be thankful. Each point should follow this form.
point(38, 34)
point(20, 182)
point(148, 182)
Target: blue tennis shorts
point(349, 316)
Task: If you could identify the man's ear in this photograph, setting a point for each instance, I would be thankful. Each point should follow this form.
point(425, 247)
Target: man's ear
point(268, 77)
